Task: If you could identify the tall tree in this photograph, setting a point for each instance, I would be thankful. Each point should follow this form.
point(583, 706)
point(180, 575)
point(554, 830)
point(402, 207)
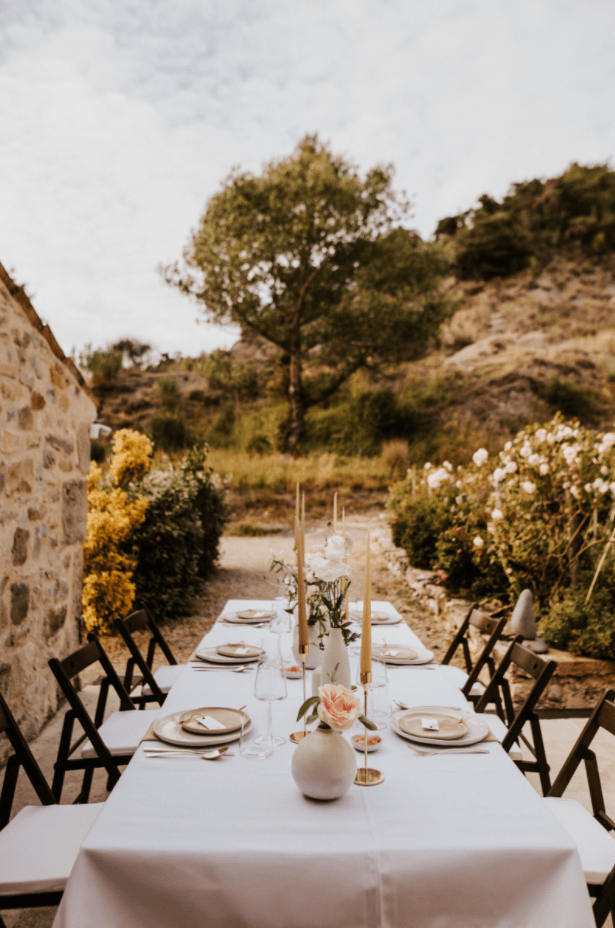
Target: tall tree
point(313, 259)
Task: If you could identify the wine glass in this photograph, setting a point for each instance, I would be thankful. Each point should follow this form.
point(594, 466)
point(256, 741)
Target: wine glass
point(283, 620)
point(269, 686)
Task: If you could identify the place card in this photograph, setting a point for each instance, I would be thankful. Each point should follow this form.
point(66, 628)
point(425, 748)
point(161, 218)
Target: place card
point(430, 724)
point(210, 723)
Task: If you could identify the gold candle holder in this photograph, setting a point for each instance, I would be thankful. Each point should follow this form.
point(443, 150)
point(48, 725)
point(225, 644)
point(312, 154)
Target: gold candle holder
point(367, 776)
point(298, 736)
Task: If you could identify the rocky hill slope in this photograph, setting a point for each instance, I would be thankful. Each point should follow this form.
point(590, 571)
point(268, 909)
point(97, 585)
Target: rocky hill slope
point(516, 350)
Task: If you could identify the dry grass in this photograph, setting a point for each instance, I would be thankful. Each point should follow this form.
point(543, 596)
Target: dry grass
point(317, 471)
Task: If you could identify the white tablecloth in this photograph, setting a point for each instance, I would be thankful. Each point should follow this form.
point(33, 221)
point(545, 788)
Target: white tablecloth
point(445, 841)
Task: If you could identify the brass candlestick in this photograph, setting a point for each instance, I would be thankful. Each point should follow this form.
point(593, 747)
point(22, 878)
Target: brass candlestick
point(298, 736)
point(367, 776)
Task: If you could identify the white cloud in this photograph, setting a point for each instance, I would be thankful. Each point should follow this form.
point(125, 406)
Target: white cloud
point(119, 121)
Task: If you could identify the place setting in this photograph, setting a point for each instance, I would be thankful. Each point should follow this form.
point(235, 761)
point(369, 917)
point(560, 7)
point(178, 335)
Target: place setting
point(441, 730)
point(205, 733)
point(404, 655)
point(236, 656)
point(380, 615)
point(253, 617)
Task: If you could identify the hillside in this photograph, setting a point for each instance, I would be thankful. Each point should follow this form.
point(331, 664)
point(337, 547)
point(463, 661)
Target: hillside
point(516, 350)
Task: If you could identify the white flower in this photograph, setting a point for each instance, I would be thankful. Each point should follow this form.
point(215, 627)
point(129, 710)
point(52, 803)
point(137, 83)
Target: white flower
point(544, 468)
point(604, 470)
point(478, 542)
point(428, 466)
point(438, 477)
point(534, 460)
point(497, 515)
point(541, 435)
point(335, 547)
point(574, 491)
point(588, 487)
point(612, 488)
point(498, 475)
point(550, 437)
point(479, 457)
point(459, 500)
point(511, 467)
point(448, 466)
point(508, 446)
point(608, 440)
point(329, 569)
point(528, 486)
point(525, 451)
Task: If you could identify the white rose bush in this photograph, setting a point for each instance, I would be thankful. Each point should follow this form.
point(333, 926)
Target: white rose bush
point(540, 514)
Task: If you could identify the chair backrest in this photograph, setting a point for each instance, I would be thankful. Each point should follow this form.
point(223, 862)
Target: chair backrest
point(22, 757)
point(491, 628)
point(64, 671)
point(140, 621)
point(498, 692)
point(603, 716)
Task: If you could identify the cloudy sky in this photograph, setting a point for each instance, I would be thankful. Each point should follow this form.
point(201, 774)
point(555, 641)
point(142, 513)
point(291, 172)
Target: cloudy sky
point(118, 120)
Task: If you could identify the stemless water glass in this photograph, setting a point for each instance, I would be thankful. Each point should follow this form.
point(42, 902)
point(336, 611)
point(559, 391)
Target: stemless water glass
point(269, 686)
point(378, 694)
point(282, 622)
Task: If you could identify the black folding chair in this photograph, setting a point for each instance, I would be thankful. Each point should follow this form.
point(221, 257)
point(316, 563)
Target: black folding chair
point(39, 846)
point(498, 693)
point(154, 684)
point(108, 743)
point(593, 834)
point(491, 629)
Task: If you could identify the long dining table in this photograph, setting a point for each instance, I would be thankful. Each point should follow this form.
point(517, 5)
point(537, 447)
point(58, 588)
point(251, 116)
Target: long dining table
point(446, 840)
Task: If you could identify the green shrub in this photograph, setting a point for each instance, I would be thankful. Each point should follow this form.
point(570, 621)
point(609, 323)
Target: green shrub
point(571, 400)
point(417, 524)
point(98, 450)
point(104, 365)
point(587, 630)
point(169, 432)
point(177, 544)
point(169, 392)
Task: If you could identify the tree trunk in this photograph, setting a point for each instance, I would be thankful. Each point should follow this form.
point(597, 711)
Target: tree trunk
point(296, 411)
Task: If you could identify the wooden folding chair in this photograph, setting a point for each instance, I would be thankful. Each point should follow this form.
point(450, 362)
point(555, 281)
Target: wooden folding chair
point(108, 743)
point(39, 846)
point(154, 684)
point(592, 833)
point(498, 693)
point(491, 629)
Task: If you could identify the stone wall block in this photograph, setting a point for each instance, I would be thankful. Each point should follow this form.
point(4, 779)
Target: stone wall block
point(74, 511)
point(83, 448)
point(20, 602)
point(19, 552)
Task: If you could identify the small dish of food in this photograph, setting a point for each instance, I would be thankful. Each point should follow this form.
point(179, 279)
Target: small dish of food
point(293, 671)
point(373, 742)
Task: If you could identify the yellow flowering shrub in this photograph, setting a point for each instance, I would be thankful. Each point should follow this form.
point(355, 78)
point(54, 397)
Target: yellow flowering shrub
point(113, 514)
point(132, 453)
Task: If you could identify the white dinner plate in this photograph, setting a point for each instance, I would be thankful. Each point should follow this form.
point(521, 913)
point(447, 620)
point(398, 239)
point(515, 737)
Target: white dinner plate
point(378, 617)
point(478, 729)
point(242, 618)
point(212, 657)
point(422, 656)
point(170, 729)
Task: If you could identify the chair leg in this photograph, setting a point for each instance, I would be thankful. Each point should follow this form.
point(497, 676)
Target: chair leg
point(541, 756)
point(86, 785)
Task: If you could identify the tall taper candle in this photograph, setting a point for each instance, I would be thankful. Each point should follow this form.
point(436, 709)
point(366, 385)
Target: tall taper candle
point(302, 614)
point(366, 634)
point(334, 513)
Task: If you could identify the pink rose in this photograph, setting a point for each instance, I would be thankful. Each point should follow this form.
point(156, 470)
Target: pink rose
point(338, 708)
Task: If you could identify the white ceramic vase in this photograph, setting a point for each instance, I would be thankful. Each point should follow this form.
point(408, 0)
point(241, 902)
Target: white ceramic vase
point(324, 765)
point(315, 653)
point(335, 666)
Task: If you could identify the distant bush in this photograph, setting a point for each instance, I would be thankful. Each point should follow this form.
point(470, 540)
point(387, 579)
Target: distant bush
point(169, 432)
point(104, 366)
point(574, 213)
point(169, 392)
point(417, 524)
point(571, 400)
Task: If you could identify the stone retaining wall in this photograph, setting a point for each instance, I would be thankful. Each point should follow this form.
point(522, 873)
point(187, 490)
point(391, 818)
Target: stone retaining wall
point(45, 415)
point(577, 683)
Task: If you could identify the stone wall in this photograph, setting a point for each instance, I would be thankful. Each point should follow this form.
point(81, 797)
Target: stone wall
point(577, 683)
point(45, 415)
